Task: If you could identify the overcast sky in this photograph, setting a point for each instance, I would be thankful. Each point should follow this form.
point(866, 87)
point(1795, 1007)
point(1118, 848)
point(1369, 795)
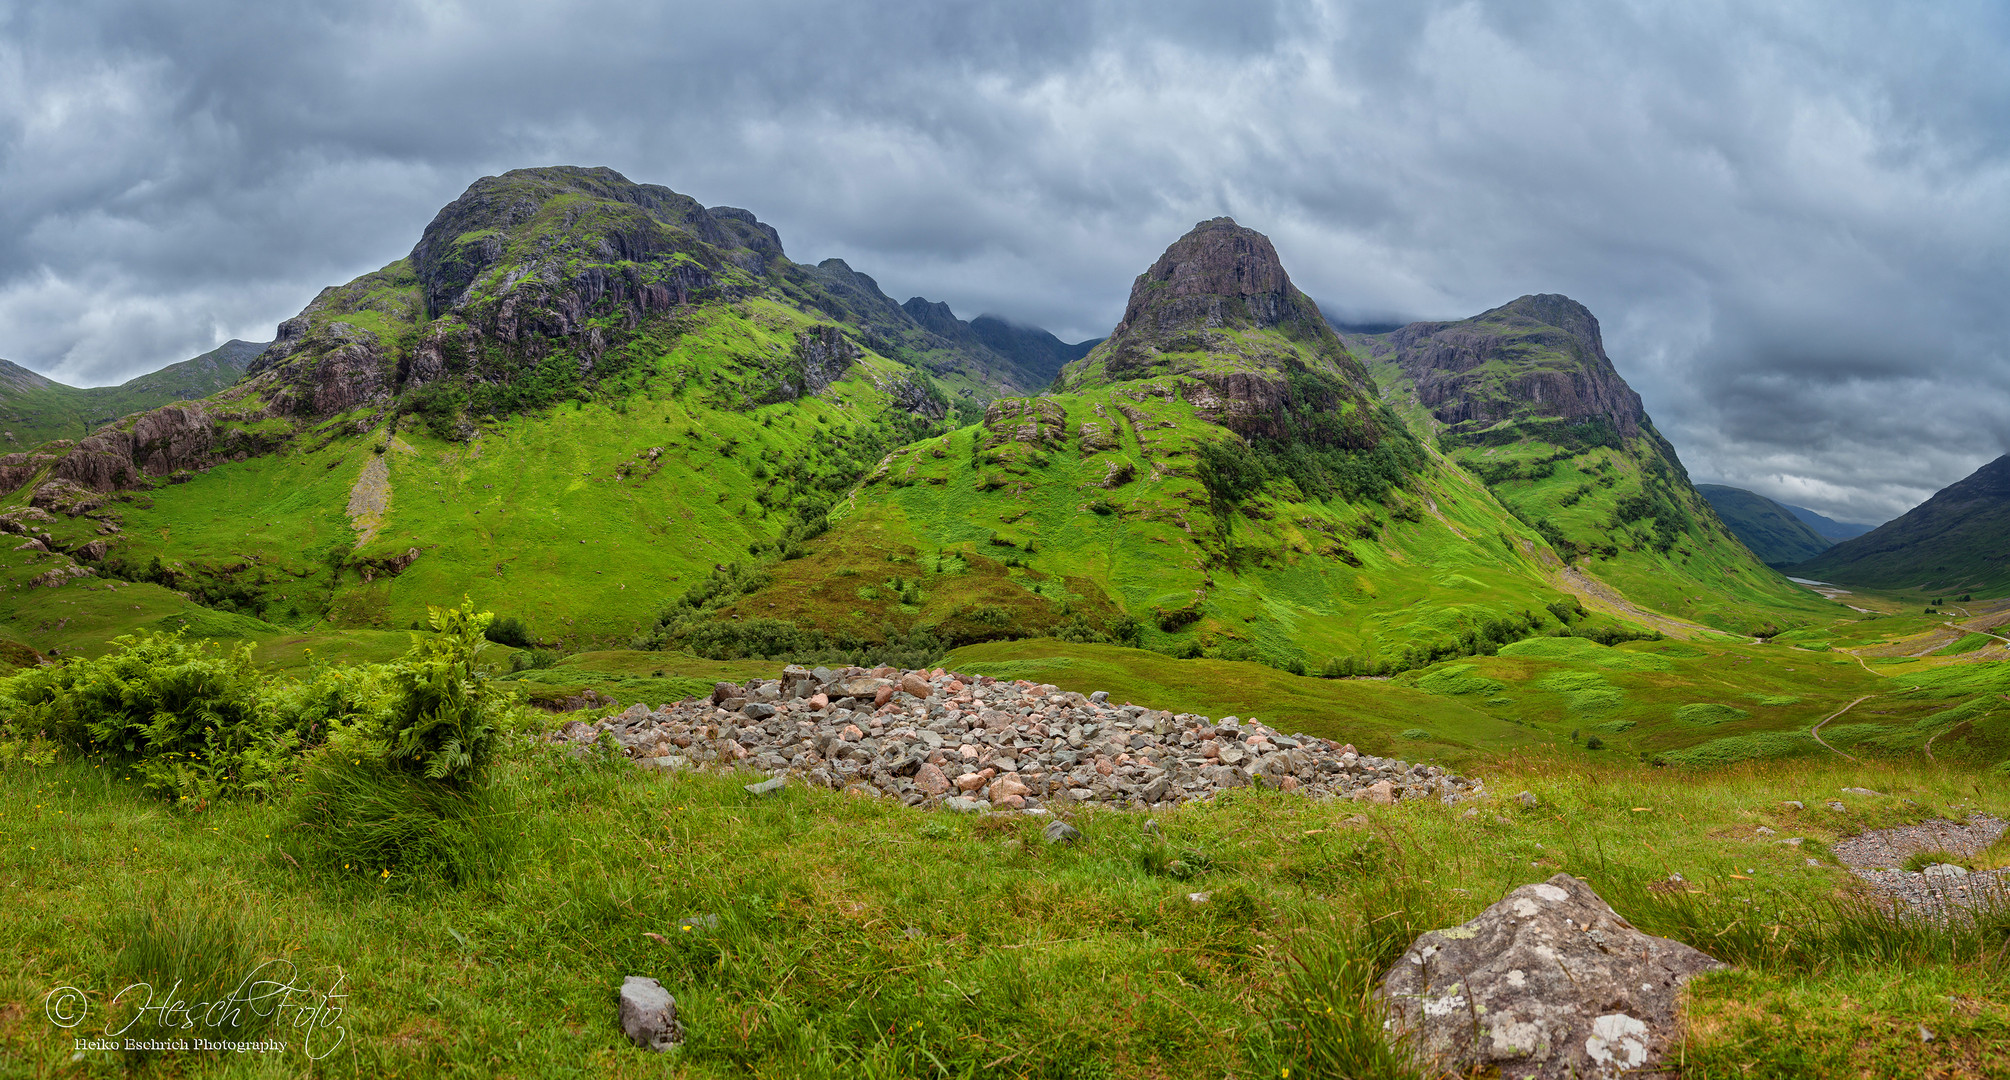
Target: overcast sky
point(1793, 220)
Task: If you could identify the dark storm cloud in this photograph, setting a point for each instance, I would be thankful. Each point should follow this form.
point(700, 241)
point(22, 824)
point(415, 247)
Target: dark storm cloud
point(1792, 219)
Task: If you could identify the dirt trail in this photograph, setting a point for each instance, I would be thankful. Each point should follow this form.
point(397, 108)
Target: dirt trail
point(370, 499)
point(1816, 731)
point(1599, 596)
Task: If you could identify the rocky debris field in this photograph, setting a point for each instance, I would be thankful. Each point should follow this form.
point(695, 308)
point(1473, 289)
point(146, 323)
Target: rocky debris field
point(972, 743)
point(1877, 857)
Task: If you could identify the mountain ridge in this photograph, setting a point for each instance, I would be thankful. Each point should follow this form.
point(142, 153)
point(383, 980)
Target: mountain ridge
point(1952, 542)
point(1768, 528)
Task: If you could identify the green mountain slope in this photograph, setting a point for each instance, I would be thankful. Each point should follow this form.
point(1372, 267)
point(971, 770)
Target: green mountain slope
point(34, 409)
point(1770, 530)
point(1215, 476)
point(574, 399)
point(1952, 542)
point(1524, 398)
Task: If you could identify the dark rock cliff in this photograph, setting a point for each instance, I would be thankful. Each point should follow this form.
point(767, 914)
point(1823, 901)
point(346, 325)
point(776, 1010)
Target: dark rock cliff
point(1538, 356)
point(1249, 350)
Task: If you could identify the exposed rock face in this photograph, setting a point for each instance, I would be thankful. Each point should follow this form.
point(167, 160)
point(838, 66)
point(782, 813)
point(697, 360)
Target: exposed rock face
point(1219, 275)
point(1547, 359)
point(325, 369)
point(1547, 984)
point(1190, 316)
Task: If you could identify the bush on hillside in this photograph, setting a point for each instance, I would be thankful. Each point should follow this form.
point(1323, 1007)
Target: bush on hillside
point(445, 715)
point(512, 631)
point(189, 720)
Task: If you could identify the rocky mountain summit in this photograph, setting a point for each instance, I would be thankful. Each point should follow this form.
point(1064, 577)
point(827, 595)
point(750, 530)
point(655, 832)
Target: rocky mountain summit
point(1219, 315)
point(972, 743)
point(1538, 356)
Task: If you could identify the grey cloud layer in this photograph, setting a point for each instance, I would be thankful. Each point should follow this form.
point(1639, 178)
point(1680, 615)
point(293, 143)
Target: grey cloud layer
point(1792, 219)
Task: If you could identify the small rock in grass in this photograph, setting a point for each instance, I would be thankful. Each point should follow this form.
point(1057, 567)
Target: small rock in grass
point(1945, 870)
point(1863, 791)
point(1837, 806)
point(1198, 897)
point(768, 788)
point(1527, 798)
point(1060, 832)
point(1794, 804)
point(649, 1014)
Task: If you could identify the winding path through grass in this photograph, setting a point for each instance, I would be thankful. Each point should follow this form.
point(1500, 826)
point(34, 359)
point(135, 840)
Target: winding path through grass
point(1816, 731)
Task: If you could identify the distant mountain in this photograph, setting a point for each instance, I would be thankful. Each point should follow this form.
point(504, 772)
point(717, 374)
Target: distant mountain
point(35, 409)
point(1773, 533)
point(1828, 528)
point(1952, 542)
point(1034, 349)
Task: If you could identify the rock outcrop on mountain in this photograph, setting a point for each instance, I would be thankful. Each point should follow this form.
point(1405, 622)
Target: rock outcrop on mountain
point(1525, 398)
point(1218, 313)
point(1537, 356)
point(1952, 542)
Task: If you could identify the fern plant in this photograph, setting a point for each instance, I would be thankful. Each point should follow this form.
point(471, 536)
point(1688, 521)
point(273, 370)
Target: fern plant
point(445, 715)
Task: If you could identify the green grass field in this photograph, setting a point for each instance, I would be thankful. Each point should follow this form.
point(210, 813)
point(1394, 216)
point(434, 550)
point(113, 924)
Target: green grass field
point(854, 937)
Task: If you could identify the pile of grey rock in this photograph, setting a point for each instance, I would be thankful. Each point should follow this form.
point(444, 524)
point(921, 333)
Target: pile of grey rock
point(973, 743)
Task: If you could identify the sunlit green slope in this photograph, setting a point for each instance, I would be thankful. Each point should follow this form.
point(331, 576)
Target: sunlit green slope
point(1216, 476)
point(1524, 398)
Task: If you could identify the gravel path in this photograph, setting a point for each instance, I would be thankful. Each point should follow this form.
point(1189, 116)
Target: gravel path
point(1876, 856)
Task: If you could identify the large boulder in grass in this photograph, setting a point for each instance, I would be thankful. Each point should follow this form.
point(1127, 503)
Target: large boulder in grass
point(1548, 983)
point(649, 1014)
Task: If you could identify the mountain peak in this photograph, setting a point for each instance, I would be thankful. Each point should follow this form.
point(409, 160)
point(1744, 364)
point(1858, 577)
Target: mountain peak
point(1537, 356)
point(1951, 542)
point(1219, 275)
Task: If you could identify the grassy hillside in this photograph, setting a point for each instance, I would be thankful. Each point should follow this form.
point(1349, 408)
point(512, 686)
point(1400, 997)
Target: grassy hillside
point(1524, 399)
point(1207, 480)
point(34, 410)
point(1951, 543)
point(583, 519)
point(1772, 533)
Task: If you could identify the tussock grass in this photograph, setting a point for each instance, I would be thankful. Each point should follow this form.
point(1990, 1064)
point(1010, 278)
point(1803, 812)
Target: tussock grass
point(820, 934)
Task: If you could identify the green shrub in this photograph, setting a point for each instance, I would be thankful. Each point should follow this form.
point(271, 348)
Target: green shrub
point(1707, 712)
point(512, 631)
point(534, 660)
point(189, 721)
point(445, 715)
